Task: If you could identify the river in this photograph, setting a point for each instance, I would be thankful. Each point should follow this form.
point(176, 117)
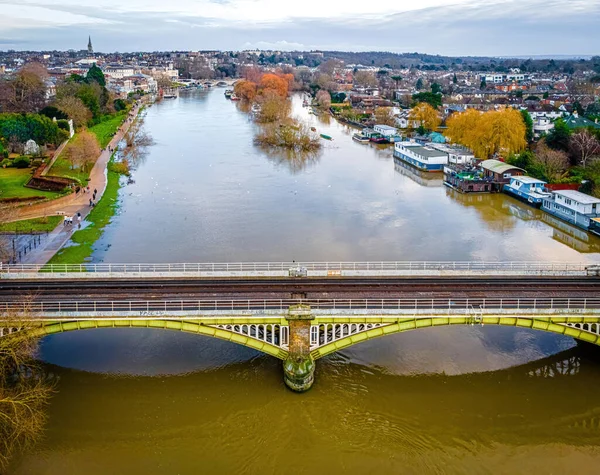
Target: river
point(442, 400)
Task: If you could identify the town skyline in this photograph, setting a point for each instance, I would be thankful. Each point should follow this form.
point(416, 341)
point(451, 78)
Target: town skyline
point(465, 28)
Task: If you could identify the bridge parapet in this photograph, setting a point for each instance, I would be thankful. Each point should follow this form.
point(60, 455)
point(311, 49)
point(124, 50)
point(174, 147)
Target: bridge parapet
point(290, 269)
point(300, 333)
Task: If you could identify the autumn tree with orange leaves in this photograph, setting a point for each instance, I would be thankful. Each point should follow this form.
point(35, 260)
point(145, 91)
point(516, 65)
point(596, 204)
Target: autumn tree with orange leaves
point(275, 83)
point(245, 90)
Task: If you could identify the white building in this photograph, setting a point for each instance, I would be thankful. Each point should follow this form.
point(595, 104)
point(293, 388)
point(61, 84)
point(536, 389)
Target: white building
point(118, 72)
point(542, 126)
point(424, 158)
point(387, 131)
point(457, 154)
point(502, 77)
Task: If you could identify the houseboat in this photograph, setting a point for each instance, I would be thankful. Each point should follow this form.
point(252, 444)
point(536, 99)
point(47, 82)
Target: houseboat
point(525, 188)
point(573, 207)
point(389, 133)
point(360, 138)
point(595, 226)
point(375, 137)
point(488, 176)
point(422, 157)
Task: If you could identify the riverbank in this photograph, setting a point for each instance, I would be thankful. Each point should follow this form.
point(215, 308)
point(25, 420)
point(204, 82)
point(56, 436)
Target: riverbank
point(100, 179)
point(82, 241)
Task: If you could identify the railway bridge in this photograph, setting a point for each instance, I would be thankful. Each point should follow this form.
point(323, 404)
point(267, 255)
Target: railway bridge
point(301, 312)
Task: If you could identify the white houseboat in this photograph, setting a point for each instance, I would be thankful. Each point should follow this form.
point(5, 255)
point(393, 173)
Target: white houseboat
point(422, 157)
point(572, 206)
point(390, 133)
point(528, 189)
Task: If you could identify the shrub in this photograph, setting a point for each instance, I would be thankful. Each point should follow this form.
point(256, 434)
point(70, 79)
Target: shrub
point(63, 124)
point(21, 162)
point(37, 162)
point(5, 153)
point(6, 163)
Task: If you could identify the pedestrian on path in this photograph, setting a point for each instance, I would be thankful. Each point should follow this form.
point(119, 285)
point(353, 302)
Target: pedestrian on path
point(90, 202)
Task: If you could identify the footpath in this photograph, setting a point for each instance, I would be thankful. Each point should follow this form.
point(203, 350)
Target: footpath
point(71, 204)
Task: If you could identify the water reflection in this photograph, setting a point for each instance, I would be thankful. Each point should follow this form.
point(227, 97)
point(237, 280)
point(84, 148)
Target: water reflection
point(492, 208)
point(419, 177)
point(245, 421)
point(575, 238)
point(295, 161)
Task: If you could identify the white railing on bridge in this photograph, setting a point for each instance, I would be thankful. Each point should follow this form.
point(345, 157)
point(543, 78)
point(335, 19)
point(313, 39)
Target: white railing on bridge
point(471, 306)
point(312, 268)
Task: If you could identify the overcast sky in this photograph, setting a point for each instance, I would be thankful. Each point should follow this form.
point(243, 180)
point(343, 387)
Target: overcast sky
point(448, 27)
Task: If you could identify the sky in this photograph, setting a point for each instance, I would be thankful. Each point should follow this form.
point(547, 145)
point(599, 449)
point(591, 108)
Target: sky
point(446, 27)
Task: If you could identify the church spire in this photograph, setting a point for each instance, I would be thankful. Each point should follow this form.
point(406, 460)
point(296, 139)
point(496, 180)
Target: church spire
point(90, 49)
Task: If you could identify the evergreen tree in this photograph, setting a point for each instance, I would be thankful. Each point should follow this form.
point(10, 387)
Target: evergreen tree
point(96, 74)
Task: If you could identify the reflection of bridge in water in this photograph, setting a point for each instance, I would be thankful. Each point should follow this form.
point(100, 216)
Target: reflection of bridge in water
point(542, 402)
point(561, 299)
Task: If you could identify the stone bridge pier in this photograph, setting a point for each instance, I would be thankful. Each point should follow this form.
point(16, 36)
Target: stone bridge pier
point(299, 366)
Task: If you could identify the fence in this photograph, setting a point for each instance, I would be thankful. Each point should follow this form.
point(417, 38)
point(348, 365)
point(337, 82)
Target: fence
point(285, 267)
point(400, 306)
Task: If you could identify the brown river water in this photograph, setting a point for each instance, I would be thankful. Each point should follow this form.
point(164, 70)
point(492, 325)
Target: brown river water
point(443, 400)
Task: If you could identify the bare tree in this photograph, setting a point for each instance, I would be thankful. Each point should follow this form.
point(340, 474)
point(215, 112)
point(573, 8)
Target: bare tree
point(75, 109)
point(585, 146)
point(26, 92)
point(24, 389)
point(553, 163)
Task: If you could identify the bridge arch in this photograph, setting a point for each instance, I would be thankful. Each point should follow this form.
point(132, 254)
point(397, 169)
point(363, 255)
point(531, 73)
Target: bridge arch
point(588, 332)
point(235, 333)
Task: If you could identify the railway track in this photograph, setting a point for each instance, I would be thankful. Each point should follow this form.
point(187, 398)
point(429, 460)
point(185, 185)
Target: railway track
point(133, 289)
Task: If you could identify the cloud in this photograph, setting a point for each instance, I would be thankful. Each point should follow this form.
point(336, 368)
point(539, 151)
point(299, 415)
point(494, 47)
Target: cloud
point(462, 27)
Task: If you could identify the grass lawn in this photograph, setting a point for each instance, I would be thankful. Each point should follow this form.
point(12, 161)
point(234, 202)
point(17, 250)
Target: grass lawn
point(82, 241)
point(62, 167)
point(12, 184)
point(104, 130)
point(46, 224)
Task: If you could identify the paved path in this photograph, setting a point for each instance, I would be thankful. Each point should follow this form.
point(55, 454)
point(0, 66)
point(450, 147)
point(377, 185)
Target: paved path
point(71, 204)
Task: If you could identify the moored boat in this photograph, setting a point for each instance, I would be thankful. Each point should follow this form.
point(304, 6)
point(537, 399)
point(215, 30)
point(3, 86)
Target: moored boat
point(326, 137)
point(228, 93)
point(360, 138)
point(234, 97)
point(528, 189)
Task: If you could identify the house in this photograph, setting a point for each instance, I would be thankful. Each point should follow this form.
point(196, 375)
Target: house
point(573, 206)
point(403, 120)
point(499, 172)
point(574, 121)
point(541, 126)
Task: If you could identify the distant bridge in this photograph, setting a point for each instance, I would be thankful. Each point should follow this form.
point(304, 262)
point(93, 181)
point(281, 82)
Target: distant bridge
point(228, 302)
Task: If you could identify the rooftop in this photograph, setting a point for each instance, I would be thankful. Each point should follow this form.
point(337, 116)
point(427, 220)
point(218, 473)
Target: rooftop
point(578, 196)
point(528, 180)
point(497, 166)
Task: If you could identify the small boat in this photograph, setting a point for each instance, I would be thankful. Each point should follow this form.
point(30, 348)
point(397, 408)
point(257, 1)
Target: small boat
point(360, 138)
point(234, 97)
point(228, 93)
point(313, 129)
point(326, 137)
